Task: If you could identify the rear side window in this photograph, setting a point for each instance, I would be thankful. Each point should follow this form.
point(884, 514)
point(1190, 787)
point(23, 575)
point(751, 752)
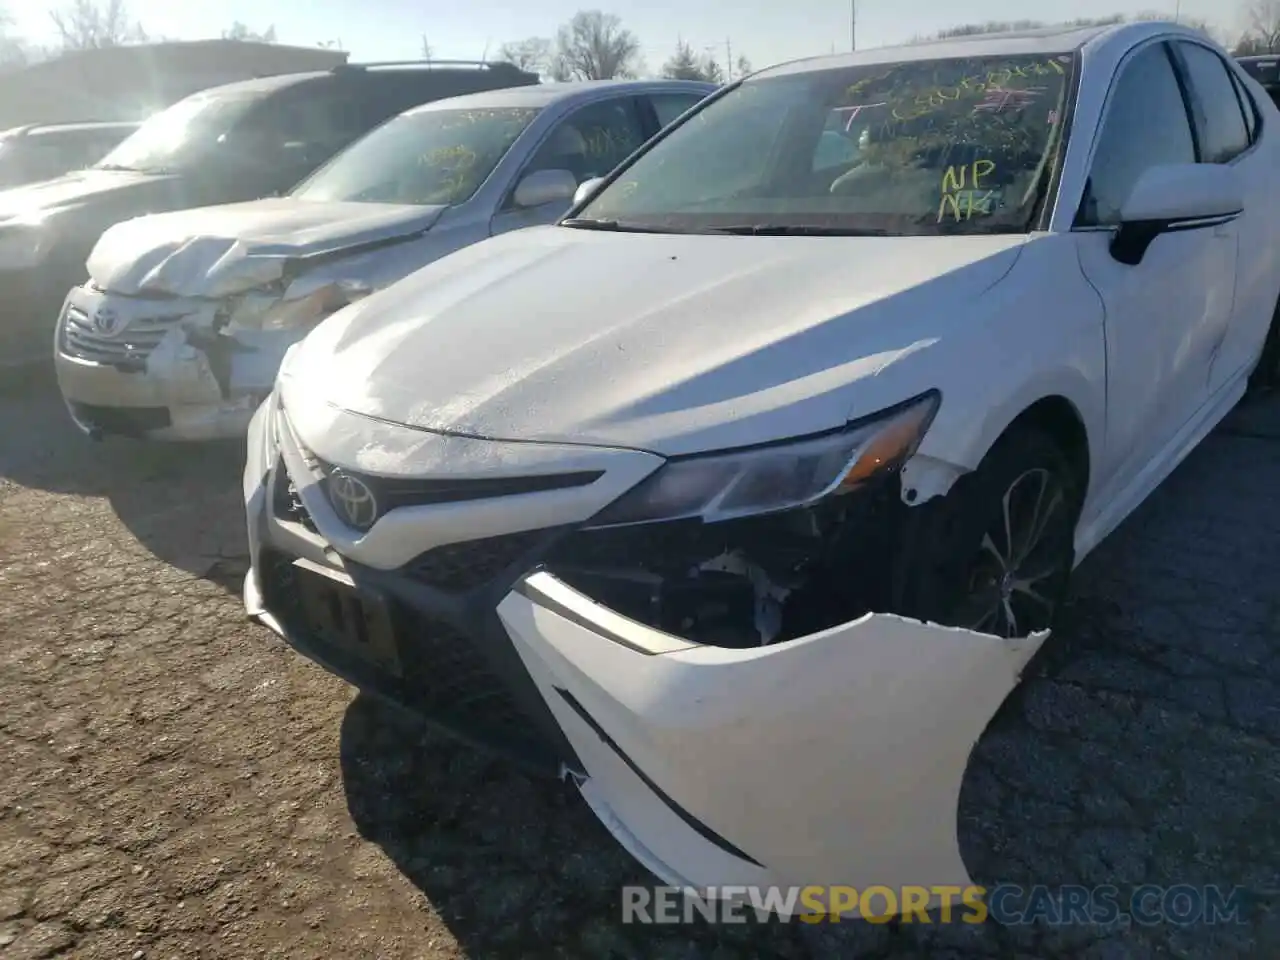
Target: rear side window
point(1219, 120)
point(1249, 106)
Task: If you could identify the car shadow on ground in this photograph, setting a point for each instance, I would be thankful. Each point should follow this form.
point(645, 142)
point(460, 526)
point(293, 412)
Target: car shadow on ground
point(182, 502)
point(1142, 747)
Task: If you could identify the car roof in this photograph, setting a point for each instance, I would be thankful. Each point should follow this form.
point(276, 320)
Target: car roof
point(263, 85)
point(546, 94)
point(1043, 41)
point(350, 71)
point(87, 126)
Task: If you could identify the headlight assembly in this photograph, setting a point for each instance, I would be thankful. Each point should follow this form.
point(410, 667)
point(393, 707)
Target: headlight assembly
point(779, 476)
point(259, 311)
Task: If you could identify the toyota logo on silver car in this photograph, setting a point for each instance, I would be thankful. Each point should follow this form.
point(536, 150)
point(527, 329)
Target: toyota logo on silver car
point(106, 321)
point(353, 500)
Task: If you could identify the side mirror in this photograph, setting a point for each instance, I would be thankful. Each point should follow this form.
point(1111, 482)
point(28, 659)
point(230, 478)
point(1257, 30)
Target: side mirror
point(1175, 197)
point(545, 186)
point(586, 189)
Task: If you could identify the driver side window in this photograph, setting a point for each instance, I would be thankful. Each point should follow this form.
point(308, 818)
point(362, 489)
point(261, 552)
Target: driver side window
point(592, 140)
point(1146, 125)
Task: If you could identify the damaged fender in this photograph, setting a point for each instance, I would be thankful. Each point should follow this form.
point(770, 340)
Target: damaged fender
point(832, 759)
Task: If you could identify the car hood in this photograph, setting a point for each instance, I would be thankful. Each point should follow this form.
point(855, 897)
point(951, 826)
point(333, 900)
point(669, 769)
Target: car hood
point(37, 200)
point(226, 249)
point(669, 343)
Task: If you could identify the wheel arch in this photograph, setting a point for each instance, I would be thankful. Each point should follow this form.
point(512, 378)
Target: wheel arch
point(1060, 420)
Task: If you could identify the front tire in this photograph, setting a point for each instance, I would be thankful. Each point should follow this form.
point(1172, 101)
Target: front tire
point(995, 553)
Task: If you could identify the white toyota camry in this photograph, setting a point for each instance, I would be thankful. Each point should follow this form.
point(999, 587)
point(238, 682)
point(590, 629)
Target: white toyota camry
point(741, 497)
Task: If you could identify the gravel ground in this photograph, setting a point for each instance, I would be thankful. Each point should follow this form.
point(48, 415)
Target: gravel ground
point(178, 785)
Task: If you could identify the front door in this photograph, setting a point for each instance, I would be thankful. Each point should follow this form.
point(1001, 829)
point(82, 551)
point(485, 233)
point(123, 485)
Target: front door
point(589, 142)
point(1164, 315)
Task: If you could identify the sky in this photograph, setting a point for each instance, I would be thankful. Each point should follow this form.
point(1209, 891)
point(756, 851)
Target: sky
point(766, 32)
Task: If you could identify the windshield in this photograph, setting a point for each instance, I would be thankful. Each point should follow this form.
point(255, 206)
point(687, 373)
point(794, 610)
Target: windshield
point(923, 147)
point(427, 157)
point(178, 136)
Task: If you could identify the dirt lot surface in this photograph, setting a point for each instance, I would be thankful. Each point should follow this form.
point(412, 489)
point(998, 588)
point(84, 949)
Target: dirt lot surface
point(178, 785)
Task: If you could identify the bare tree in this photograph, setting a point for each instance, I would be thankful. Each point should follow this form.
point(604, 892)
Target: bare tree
point(238, 31)
point(1262, 31)
point(595, 46)
point(88, 25)
point(428, 51)
point(13, 52)
point(532, 54)
point(687, 65)
point(744, 66)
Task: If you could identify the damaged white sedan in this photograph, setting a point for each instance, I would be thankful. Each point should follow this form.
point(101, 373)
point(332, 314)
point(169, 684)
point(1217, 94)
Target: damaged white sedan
point(741, 497)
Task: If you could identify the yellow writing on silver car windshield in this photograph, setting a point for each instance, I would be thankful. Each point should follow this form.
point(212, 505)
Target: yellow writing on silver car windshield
point(964, 192)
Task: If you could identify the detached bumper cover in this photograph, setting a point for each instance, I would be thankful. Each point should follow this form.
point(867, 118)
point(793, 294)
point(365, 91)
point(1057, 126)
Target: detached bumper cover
point(835, 759)
point(832, 759)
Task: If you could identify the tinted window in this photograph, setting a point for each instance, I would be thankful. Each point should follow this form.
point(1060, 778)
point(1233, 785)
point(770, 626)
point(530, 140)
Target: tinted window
point(1220, 122)
point(668, 106)
point(1146, 125)
point(182, 134)
point(913, 147)
point(1249, 106)
point(591, 141)
point(422, 157)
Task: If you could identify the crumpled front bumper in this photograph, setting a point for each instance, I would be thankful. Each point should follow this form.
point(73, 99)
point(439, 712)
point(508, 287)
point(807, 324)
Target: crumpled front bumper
point(157, 383)
point(832, 759)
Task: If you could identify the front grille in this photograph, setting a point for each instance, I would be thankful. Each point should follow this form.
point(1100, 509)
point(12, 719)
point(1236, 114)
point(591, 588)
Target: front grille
point(394, 492)
point(446, 678)
point(122, 421)
point(129, 348)
point(449, 678)
point(459, 567)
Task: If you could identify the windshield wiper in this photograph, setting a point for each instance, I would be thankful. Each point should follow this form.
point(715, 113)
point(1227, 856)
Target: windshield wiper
point(619, 226)
point(780, 230)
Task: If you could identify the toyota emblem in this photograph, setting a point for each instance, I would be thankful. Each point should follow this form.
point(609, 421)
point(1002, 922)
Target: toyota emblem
point(353, 500)
point(106, 321)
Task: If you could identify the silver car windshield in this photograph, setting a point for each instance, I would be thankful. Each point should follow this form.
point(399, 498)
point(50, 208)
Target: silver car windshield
point(963, 145)
point(422, 157)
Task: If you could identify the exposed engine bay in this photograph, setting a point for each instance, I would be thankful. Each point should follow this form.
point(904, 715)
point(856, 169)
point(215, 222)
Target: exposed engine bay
point(746, 582)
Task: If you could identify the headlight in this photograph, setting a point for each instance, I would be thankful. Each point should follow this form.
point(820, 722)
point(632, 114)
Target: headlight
point(780, 476)
point(259, 311)
point(23, 247)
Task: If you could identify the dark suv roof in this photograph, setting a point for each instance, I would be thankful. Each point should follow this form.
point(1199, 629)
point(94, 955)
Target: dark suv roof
point(452, 77)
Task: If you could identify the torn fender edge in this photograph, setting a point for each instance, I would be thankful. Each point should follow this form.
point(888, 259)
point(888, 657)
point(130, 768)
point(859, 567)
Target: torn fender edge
point(834, 759)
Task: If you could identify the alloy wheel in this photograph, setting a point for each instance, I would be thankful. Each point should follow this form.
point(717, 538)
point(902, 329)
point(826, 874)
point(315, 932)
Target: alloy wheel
point(1018, 573)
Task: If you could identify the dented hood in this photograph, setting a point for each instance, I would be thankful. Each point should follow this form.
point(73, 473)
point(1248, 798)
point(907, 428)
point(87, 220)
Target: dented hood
point(218, 251)
point(668, 343)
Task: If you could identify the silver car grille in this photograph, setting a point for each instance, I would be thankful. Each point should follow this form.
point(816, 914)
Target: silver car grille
point(129, 347)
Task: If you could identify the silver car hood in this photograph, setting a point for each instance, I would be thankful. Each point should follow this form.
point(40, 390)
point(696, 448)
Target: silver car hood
point(667, 343)
point(222, 250)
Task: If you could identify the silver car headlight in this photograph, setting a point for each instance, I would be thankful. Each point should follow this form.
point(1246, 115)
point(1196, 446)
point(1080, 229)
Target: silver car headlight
point(778, 476)
point(296, 309)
